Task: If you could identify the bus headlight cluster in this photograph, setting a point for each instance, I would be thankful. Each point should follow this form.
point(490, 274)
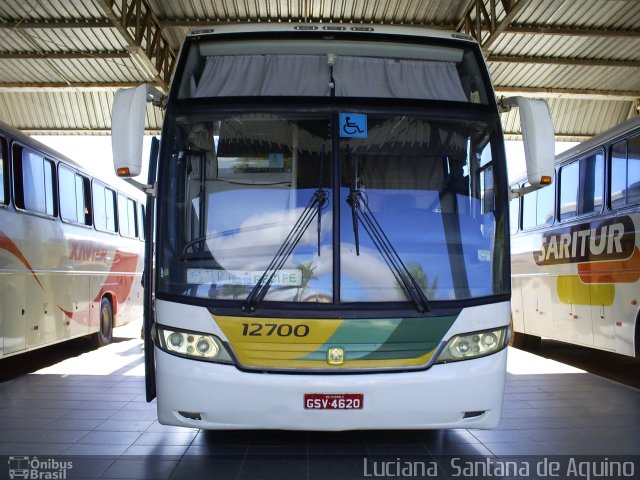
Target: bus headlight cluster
point(473, 345)
point(202, 346)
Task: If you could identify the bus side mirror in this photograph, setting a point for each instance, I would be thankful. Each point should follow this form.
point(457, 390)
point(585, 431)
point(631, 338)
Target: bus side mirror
point(128, 117)
point(127, 130)
point(538, 139)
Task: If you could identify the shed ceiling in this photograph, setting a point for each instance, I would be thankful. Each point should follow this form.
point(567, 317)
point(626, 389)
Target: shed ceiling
point(62, 60)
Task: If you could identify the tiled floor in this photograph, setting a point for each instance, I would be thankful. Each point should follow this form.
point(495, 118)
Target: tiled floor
point(91, 410)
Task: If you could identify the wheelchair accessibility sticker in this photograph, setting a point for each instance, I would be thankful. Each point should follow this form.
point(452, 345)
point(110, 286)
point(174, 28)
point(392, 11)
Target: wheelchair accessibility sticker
point(353, 125)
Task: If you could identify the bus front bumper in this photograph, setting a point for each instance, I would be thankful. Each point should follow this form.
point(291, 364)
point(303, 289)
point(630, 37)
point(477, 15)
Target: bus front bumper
point(466, 394)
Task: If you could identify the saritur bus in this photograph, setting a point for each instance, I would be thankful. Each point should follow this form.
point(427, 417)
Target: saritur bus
point(71, 249)
point(332, 229)
point(576, 248)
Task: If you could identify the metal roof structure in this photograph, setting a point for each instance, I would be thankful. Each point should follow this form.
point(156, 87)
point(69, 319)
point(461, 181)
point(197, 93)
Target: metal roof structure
point(62, 60)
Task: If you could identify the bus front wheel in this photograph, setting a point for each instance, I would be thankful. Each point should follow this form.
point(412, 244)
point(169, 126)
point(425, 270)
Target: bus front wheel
point(104, 336)
point(524, 341)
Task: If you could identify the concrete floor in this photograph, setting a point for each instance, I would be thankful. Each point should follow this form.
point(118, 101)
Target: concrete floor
point(90, 410)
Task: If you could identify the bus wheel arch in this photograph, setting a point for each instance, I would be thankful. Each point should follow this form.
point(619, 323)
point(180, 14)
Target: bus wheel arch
point(105, 333)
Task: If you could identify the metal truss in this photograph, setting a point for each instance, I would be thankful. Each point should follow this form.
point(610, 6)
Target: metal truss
point(146, 42)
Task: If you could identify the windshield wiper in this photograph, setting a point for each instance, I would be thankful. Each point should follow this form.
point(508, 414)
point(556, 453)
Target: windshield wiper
point(352, 199)
point(313, 209)
point(360, 211)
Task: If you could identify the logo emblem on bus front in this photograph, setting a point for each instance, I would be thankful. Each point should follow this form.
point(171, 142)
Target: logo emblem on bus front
point(335, 356)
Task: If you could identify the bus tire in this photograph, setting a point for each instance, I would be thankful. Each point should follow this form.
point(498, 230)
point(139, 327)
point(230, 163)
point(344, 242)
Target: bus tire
point(532, 342)
point(519, 340)
point(105, 335)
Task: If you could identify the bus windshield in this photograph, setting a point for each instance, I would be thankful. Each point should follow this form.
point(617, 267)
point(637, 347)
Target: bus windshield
point(320, 211)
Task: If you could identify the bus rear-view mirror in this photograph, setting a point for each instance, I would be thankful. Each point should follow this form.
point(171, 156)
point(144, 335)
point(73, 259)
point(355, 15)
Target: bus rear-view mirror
point(538, 139)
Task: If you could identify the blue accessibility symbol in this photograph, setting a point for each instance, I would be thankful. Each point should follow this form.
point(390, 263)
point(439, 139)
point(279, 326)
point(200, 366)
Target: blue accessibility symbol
point(353, 125)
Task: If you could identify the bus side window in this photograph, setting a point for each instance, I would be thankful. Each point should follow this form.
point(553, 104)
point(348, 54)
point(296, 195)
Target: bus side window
point(625, 172)
point(74, 202)
point(569, 191)
point(538, 207)
point(127, 217)
point(34, 182)
point(104, 208)
point(545, 205)
point(514, 213)
point(141, 218)
point(4, 173)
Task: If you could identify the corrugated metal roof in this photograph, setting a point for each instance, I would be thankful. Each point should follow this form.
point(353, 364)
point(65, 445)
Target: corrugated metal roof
point(584, 57)
point(65, 112)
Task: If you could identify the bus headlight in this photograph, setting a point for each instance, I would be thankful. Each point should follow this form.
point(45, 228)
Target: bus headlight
point(202, 346)
point(474, 345)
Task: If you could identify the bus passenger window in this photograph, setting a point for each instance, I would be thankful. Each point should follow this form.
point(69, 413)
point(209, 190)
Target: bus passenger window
point(514, 220)
point(4, 174)
point(104, 208)
point(529, 210)
point(569, 191)
point(537, 207)
point(36, 188)
point(141, 220)
point(74, 203)
point(127, 217)
point(545, 204)
point(625, 172)
point(633, 161)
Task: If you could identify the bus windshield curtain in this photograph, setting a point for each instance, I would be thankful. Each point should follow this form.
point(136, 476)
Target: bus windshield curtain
point(310, 75)
point(391, 78)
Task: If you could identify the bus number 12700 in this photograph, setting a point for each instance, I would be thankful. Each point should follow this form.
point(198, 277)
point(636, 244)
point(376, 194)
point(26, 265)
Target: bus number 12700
point(269, 329)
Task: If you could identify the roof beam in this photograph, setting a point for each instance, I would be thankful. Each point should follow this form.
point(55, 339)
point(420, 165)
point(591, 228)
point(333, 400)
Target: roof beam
point(146, 43)
point(76, 131)
point(570, 32)
point(187, 23)
point(55, 24)
point(476, 18)
point(559, 137)
point(563, 61)
point(570, 93)
point(40, 87)
point(61, 55)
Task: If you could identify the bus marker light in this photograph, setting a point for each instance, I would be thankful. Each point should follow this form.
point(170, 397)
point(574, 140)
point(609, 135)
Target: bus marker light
point(545, 180)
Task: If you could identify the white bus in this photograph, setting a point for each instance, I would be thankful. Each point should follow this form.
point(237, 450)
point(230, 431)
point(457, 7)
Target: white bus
point(575, 248)
point(71, 249)
point(332, 229)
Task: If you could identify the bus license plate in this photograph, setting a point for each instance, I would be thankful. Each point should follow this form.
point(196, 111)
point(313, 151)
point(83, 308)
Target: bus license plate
point(333, 401)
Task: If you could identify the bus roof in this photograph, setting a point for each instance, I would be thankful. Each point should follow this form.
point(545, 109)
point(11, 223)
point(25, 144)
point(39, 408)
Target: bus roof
point(356, 28)
point(604, 137)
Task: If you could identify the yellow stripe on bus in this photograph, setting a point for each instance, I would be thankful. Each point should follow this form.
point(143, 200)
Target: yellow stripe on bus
point(571, 290)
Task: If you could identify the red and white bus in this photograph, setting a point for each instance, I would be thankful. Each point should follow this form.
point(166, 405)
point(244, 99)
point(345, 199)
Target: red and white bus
point(71, 249)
